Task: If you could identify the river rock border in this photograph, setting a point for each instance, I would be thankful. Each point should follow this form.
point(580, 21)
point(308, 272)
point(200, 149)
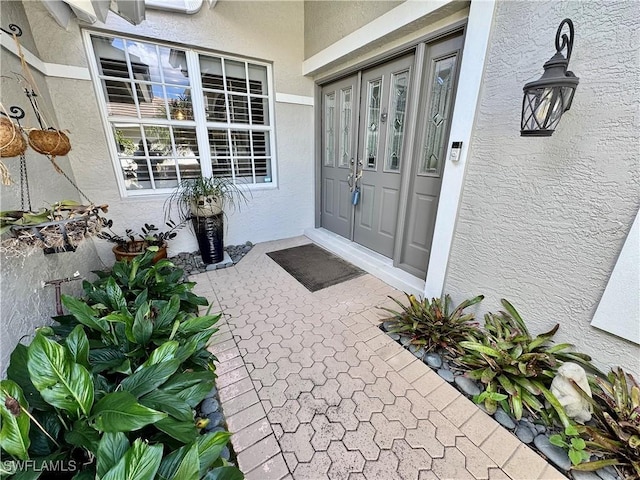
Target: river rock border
point(527, 430)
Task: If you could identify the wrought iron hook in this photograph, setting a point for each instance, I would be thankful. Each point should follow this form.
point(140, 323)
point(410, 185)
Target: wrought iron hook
point(13, 30)
point(567, 41)
point(16, 113)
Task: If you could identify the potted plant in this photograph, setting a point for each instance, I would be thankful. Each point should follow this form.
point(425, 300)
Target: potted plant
point(204, 201)
point(132, 244)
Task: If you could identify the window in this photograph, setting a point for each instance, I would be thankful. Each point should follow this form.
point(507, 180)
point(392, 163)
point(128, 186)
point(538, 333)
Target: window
point(176, 113)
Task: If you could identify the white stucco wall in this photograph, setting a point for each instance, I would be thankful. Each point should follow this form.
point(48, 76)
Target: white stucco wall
point(24, 303)
point(268, 31)
point(542, 220)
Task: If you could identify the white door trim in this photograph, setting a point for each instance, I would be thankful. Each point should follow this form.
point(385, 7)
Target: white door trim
point(471, 69)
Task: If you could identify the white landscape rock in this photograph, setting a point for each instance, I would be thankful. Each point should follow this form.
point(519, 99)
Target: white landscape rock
point(574, 404)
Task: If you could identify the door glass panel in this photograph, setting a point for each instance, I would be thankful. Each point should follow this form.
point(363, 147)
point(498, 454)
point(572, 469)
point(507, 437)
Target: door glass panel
point(346, 134)
point(374, 94)
point(329, 135)
point(438, 111)
point(397, 114)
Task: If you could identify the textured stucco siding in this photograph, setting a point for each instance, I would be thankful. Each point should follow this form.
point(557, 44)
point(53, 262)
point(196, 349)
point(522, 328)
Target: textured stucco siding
point(24, 303)
point(542, 220)
point(326, 22)
point(267, 31)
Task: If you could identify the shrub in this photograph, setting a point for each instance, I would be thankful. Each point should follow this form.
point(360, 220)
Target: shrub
point(115, 385)
point(515, 367)
point(433, 324)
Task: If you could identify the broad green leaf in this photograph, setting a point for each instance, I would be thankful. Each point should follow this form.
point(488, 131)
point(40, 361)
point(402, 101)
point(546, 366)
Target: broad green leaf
point(19, 373)
point(183, 431)
point(78, 345)
point(142, 325)
point(515, 315)
point(105, 359)
point(168, 313)
point(209, 448)
point(507, 385)
point(476, 347)
point(166, 351)
point(84, 314)
point(149, 378)
point(168, 403)
point(82, 435)
point(557, 440)
point(550, 397)
point(114, 293)
point(140, 462)
point(224, 473)
point(578, 443)
point(41, 444)
point(14, 425)
point(189, 468)
point(112, 448)
point(120, 412)
point(191, 387)
point(576, 456)
point(198, 324)
point(61, 382)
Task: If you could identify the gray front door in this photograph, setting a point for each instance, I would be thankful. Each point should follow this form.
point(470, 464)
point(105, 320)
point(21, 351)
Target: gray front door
point(339, 120)
point(436, 107)
point(383, 113)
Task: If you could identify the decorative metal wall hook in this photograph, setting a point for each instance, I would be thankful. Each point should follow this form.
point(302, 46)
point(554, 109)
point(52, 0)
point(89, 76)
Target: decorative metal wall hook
point(16, 112)
point(567, 41)
point(13, 30)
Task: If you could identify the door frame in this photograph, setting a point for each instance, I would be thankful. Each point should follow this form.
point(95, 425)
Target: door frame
point(477, 30)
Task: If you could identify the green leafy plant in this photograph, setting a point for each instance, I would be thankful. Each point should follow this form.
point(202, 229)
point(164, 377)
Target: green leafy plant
point(509, 361)
point(571, 441)
point(149, 236)
point(615, 436)
point(114, 387)
point(434, 324)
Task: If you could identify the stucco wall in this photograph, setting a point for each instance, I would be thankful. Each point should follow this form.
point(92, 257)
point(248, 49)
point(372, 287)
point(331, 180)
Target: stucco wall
point(268, 31)
point(542, 220)
point(326, 22)
point(24, 303)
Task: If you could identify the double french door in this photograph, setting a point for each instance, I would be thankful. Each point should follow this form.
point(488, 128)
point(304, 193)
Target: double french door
point(370, 172)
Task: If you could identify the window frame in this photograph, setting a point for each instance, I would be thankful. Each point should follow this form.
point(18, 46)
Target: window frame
point(199, 122)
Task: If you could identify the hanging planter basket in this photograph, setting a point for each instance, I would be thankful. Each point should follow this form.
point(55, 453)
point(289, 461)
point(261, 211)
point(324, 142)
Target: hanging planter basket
point(50, 142)
point(55, 236)
point(12, 143)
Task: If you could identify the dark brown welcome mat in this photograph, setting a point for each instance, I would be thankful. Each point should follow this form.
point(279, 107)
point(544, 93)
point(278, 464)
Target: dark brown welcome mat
point(314, 267)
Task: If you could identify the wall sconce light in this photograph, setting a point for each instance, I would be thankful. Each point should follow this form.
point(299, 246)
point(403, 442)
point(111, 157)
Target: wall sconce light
point(546, 99)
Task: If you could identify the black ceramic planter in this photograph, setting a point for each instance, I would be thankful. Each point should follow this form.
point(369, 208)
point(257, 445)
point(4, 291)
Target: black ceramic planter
point(210, 232)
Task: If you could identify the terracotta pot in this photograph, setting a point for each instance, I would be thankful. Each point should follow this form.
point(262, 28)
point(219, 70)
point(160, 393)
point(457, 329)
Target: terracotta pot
point(139, 249)
point(12, 143)
point(49, 142)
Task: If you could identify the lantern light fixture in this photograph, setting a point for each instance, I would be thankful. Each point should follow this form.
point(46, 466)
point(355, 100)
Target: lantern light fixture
point(546, 99)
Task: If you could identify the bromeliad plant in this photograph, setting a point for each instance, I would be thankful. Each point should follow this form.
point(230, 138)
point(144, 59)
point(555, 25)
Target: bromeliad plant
point(515, 367)
point(615, 436)
point(114, 388)
point(433, 324)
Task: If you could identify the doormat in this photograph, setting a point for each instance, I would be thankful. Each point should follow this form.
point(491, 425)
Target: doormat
point(314, 267)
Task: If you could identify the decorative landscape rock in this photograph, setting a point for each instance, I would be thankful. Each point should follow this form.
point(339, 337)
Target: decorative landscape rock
point(417, 351)
point(555, 454)
point(192, 263)
point(524, 434)
point(209, 405)
point(569, 397)
point(446, 375)
point(578, 475)
point(503, 419)
point(433, 360)
point(467, 385)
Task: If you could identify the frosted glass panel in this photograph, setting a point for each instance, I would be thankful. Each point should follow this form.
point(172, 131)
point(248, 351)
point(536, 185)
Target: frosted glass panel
point(395, 134)
point(439, 106)
point(374, 92)
point(346, 133)
point(329, 134)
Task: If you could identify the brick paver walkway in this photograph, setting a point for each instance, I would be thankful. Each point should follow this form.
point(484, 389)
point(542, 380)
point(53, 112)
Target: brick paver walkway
point(312, 389)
